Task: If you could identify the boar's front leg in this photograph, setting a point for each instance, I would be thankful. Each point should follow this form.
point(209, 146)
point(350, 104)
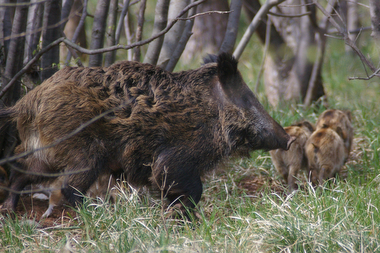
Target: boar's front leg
point(76, 185)
point(176, 172)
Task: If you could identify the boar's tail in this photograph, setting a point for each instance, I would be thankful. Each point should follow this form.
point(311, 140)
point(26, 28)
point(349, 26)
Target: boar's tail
point(6, 118)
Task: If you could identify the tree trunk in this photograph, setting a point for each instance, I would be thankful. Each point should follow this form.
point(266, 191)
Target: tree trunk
point(70, 30)
point(32, 40)
point(160, 21)
point(208, 30)
point(173, 36)
point(352, 21)
point(98, 31)
point(139, 30)
point(375, 18)
point(13, 65)
point(232, 27)
point(51, 32)
point(5, 31)
point(111, 31)
point(290, 67)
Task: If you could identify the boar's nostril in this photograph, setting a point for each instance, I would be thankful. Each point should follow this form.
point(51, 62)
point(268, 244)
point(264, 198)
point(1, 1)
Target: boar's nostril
point(291, 140)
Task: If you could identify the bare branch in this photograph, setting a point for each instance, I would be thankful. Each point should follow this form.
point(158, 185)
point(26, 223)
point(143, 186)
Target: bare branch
point(232, 27)
point(345, 36)
point(254, 24)
point(120, 23)
point(289, 16)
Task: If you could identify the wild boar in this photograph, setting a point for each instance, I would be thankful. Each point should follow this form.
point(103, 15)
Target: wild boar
point(339, 121)
point(164, 129)
point(325, 152)
point(289, 163)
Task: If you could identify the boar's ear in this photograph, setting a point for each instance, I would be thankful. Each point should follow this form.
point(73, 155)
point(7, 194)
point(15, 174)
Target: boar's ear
point(340, 132)
point(210, 58)
point(227, 67)
point(348, 113)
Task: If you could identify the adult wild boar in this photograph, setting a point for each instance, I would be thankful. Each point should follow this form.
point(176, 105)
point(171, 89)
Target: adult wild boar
point(167, 130)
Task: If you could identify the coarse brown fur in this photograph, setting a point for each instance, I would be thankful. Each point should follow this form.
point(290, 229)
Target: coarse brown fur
point(340, 122)
point(289, 163)
point(165, 129)
point(325, 152)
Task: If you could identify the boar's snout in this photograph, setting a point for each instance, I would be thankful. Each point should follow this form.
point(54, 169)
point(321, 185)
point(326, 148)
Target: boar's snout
point(275, 137)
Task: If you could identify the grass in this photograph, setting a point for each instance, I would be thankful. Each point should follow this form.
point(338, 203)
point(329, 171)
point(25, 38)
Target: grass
point(342, 216)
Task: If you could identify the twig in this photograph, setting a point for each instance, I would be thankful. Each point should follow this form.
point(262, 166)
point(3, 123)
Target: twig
point(205, 13)
point(289, 16)
point(376, 73)
point(347, 40)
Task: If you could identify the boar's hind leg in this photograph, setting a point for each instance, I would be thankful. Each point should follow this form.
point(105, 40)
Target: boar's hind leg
point(176, 173)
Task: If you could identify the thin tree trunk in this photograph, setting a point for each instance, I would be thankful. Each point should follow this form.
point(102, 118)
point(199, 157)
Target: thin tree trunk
point(352, 21)
point(5, 28)
point(139, 30)
point(111, 31)
point(375, 18)
point(232, 27)
point(172, 37)
point(66, 9)
point(13, 65)
point(98, 31)
point(51, 32)
point(33, 32)
point(182, 42)
point(160, 21)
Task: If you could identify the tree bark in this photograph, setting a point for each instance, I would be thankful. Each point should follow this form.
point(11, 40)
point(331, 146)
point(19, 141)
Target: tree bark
point(139, 30)
point(375, 18)
point(160, 21)
point(208, 30)
point(352, 21)
point(13, 65)
point(98, 31)
point(173, 36)
point(111, 31)
point(232, 27)
point(295, 58)
point(182, 42)
point(5, 30)
point(51, 32)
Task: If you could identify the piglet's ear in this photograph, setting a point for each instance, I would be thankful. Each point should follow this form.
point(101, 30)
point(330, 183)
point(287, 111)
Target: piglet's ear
point(227, 66)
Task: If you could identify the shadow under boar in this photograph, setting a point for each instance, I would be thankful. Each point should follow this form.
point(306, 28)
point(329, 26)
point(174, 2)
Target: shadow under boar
point(325, 152)
point(167, 131)
point(289, 163)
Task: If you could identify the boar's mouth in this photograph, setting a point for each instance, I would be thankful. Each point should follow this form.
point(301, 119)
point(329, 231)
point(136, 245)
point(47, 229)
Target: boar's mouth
point(270, 141)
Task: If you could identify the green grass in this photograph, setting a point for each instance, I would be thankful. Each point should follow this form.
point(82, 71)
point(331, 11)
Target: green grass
point(343, 216)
